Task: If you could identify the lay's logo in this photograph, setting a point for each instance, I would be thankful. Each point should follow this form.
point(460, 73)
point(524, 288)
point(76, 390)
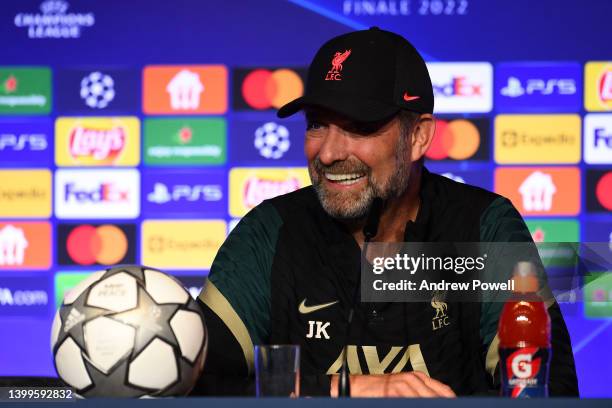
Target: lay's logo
point(250, 186)
point(97, 141)
point(256, 190)
point(598, 86)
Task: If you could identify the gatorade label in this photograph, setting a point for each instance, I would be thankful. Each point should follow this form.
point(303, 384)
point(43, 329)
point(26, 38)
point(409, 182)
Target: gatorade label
point(524, 372)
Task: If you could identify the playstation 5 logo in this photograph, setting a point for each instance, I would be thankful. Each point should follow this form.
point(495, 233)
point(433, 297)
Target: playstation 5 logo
point(514, 88)
point(161, 194)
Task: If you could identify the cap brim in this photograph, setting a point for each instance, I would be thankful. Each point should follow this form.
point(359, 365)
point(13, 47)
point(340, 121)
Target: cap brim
point(353, 107)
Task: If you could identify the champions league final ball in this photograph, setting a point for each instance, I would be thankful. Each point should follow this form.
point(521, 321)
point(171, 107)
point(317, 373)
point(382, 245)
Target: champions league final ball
point(129, 331)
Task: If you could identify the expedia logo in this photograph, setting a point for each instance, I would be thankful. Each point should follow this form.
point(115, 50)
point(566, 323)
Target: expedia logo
point(25, 193)
point(537, 138)
point(158, 244)
point(184, 244)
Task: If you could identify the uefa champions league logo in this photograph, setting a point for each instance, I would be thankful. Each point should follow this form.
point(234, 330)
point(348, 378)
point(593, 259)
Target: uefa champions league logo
point(97, 90)
point(54, 21)
point(272, 140)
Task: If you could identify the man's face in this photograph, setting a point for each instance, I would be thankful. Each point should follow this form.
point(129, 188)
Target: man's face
point(351, 163)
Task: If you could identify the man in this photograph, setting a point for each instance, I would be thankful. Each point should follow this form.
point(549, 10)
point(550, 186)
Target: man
point(288, 271)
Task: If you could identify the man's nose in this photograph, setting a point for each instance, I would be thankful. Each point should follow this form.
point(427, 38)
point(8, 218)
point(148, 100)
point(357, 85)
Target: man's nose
point(335, 146)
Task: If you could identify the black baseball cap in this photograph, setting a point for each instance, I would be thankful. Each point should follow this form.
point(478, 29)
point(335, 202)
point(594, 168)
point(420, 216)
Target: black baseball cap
point(366, 76)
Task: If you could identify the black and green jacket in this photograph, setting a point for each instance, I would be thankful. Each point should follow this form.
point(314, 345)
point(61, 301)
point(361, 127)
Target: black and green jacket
point(287, 255)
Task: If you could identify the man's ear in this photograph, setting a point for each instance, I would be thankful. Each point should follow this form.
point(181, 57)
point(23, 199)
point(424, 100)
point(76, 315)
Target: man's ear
point(422, 135)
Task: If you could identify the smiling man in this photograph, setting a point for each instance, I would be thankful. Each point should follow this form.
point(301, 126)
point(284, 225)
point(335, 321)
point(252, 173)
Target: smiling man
point(287, 273)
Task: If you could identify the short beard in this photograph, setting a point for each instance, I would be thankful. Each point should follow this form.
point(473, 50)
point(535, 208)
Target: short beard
point(355, 206)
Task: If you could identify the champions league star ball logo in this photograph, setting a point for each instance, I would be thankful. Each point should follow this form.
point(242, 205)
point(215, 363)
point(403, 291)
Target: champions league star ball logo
point(272, 140)
point(97, 90)
point(129, 331)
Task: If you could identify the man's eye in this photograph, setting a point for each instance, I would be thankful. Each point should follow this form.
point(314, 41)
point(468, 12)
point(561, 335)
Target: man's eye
point(312, 125)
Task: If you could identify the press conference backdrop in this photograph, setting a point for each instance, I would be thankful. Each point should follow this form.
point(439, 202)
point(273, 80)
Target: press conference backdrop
point(141, 131)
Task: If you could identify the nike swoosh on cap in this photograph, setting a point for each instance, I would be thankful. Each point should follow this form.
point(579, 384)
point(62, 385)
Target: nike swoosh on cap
point(303, 309)
point(409, 98)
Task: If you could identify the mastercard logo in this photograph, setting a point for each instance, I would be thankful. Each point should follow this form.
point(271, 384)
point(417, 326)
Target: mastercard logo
point(603, 190)
point(105, 245)
point(457, 139)
point(265, 89)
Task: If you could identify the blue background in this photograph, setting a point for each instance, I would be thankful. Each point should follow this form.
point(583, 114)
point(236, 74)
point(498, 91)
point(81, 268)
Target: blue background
point(270, 33)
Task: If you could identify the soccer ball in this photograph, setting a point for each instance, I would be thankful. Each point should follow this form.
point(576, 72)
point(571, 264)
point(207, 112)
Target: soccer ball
point(272, 140)
point(129, 331)
point(97, 90)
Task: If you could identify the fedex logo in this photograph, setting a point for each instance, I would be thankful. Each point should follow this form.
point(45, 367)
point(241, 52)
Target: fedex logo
point(105, 192)
point(602, 137)
point(97, 194)
point(458, 86)
point(538, 87)
point(598, 138)
point(462, 87)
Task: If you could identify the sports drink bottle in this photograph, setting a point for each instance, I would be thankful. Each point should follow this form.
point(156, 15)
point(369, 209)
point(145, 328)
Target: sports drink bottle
point(524, 338)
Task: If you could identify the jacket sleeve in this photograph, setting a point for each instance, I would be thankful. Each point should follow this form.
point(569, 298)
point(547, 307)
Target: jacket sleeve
point(501, 222)
point(236, 303)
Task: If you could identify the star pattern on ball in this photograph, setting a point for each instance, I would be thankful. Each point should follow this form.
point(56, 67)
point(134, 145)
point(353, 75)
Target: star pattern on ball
point(105, 385)
point(134, 271)
point(74, 317)
point(150, 320)
point(188, 376)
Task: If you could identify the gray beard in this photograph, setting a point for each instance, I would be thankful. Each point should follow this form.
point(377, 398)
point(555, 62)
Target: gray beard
point(354, 206)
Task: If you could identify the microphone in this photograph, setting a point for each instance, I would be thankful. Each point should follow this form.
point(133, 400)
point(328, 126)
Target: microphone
point(371, 226)
point(369, 231)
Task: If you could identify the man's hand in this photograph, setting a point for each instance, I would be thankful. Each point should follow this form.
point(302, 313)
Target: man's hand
point(409, 384)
